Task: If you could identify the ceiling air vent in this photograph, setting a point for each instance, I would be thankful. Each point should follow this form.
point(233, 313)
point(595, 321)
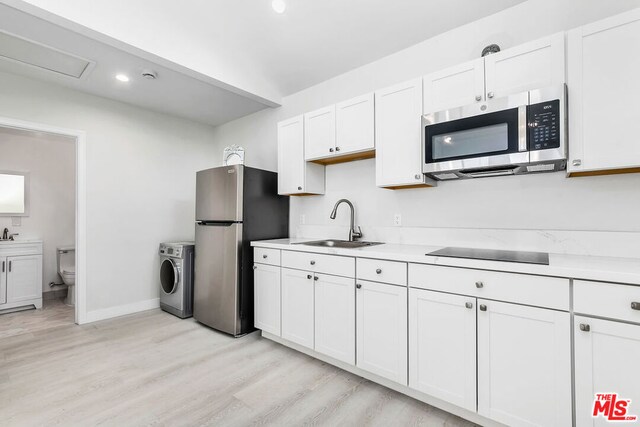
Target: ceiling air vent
point(24, 51)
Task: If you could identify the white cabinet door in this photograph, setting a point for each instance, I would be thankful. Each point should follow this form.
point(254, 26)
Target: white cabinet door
point(295, 176)
point(603, 63)
point(355, 125)
point(320, 133)
point(398, 123)
point(335, 317)
point(442, 346)
point(534, 65)
point(381, 327)
point(454, 87)
point(606, 361)
point(524, 365)
point(24, 278)
point(297, 306)
point(266, 299)
point(3, 280)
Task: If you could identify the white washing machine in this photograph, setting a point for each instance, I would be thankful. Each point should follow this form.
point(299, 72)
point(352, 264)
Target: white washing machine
point(176, 278)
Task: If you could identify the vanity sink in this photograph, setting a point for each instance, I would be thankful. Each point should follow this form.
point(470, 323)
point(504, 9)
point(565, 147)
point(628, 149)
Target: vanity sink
point(330, 243)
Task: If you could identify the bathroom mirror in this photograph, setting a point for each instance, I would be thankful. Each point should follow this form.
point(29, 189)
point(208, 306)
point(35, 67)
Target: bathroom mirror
point(14, 193)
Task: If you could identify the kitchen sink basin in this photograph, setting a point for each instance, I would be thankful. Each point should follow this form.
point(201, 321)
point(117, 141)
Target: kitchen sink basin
point(339, 244)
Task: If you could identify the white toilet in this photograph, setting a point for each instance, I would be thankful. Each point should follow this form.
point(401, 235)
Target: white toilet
point(67, 270)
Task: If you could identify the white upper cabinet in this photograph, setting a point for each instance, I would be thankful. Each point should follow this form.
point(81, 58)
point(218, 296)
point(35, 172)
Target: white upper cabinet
point(335, 317)
point(454, 87)
point(524, 365)
point(606, 360)
point(295, 176)
point(354, 125)
point(603, 63)
point(320, 133)
point(533, 65)
point(398, 124)
point(442, 346)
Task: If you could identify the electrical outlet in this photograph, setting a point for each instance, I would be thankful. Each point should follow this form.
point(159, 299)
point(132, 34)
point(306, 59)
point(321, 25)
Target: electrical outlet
point(303, 219)
point(397, 220)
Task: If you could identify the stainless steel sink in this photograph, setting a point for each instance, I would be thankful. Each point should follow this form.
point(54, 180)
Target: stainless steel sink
point(330, 243)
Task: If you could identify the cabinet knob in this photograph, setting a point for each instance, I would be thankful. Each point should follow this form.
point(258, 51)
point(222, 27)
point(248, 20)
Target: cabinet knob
point(255, 267)
point(331, 150)
point(490, 95)
point(468, 305)
point(577, 162)
point(337, 148)
point(478, 98)
point(635, 305)
point(358, 285)
point(483, 307)
point(309, 276)
point(479, 285)
point(584, 327)
point(315, 277)
point(299, 188)
point(264, 256)
point(313, 263)
point(378, 270)
point(418, 176)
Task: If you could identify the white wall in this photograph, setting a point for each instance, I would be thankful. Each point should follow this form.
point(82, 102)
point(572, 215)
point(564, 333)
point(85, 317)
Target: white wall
point(51, 162)
point(555, 213)
point(140, 182)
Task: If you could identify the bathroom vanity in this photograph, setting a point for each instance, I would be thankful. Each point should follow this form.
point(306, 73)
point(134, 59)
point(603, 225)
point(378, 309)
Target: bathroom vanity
point(20, 274)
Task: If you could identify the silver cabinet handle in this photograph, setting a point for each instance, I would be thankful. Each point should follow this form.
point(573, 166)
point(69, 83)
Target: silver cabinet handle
point(490, 95)
point(417, 176)
point(299, 188)
point(309, 276)
point(331, 150)
point(3, 266)
point(584, 327)
point(358, 285)
point(577, 162)
point(10, 266)
point(483, 307)
point(478, 98)
point(635, 305)
point(313, 263)
point(479, 285)
point(315, 277)
point(337, 148)
point(378, 270)
point(468, 305)
point(264, 256)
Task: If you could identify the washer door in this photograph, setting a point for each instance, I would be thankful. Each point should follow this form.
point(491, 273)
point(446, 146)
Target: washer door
point(169, 276)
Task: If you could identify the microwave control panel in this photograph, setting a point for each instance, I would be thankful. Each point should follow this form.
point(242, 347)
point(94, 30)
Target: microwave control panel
point(544, 125)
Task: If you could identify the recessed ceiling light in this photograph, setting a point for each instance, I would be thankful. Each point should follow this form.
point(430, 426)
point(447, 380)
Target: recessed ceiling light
point(122, 77)
point(279, 6)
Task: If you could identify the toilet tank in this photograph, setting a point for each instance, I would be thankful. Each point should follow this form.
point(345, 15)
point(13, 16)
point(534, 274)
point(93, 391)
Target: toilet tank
point(66, 258)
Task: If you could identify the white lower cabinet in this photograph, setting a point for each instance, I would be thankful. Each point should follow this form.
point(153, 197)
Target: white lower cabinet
point(524, 365)
point(297, 306)
point(607, 356)
point(335, 317)
point(381, 330)
point(23, 278)
point(442, 346)
point(266, 296)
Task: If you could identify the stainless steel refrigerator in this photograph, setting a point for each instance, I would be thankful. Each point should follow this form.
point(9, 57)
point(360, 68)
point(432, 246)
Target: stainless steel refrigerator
point(234, 206)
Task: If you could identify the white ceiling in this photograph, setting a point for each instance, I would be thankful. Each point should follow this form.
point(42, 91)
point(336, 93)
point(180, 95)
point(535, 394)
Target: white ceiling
point(245, 47)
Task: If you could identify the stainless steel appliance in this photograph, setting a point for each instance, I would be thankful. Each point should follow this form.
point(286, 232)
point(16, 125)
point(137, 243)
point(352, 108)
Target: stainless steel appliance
point(176, 278)
point(493, 255)
point(517, 134)
point(234, 205)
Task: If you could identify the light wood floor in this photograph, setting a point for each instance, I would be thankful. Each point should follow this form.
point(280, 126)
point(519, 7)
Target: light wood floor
point(155, 369)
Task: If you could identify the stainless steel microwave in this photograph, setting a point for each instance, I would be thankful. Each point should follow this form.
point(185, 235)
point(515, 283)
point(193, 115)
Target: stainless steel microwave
point(517, 134)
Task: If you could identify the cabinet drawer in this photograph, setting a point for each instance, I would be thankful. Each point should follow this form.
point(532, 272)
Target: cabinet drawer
point(320, 263)
point(607, 300)
point(382, 271)
point(266, 256)
point(550, 292)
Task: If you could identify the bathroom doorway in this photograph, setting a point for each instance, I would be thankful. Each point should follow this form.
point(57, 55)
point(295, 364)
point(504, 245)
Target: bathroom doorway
point(62, 244)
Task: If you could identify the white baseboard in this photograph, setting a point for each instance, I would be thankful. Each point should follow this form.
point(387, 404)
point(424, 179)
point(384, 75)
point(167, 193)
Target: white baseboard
point(121, 310)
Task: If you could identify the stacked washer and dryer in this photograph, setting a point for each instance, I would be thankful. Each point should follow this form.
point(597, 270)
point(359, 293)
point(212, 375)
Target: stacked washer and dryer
point(176, 278)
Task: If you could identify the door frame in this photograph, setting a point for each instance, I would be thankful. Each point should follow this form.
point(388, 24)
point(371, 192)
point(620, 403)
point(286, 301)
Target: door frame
point(80, 138)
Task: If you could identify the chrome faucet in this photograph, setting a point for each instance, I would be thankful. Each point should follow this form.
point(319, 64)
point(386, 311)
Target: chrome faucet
point(5, 234)
point(353, 234)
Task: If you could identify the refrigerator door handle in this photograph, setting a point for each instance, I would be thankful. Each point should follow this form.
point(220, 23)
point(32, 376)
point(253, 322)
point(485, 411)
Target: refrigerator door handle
point(218, 223)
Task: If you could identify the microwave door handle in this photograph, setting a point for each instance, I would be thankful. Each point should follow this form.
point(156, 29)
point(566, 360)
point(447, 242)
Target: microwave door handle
point(523, 128)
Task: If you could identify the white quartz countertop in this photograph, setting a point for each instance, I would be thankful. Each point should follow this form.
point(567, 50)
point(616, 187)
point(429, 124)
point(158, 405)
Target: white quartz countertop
point(607, 269)
point(20, 241)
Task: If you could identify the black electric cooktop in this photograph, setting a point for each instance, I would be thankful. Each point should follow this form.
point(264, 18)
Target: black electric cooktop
point(494, 255)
